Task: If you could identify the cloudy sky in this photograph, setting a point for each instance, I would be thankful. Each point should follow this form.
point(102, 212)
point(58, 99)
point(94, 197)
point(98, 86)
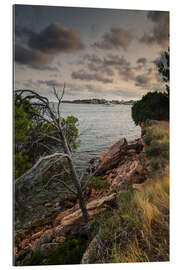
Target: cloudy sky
point(98, 53)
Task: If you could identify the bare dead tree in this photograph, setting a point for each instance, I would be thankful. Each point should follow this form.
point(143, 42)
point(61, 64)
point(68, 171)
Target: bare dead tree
point(54, 118)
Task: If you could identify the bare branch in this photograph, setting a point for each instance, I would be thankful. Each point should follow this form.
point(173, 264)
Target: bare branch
point(81, 177)
point(46, 147)
point(51, 137)
point(62, 182)
point(68, 188)
point(65, 169)
point(38, 162)
point(85, 185)
point(62, 93)
point(59, 99)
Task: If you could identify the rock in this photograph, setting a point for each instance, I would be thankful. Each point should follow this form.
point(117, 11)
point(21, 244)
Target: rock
point(112, 156)
point(37, 235)
point(71, 223)
point(59, 218)
point(24, 243)
point(48, 204)
point(136, 145)
point(60, 239)
point(46, 248)
point(57, 204)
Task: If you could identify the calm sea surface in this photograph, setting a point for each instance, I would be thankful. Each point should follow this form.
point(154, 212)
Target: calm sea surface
point(100, 126)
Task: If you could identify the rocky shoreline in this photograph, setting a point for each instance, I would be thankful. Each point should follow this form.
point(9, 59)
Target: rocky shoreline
point(120, 166)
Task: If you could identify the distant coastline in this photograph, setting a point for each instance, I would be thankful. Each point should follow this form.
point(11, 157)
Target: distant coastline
point(99, 101)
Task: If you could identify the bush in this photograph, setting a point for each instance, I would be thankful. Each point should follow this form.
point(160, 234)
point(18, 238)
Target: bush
point(97, 182)
point(157, 164)
point(36, 259)
point(153, 149)
point(68, 253)
point(152, 106)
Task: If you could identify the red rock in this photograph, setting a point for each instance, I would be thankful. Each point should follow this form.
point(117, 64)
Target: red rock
point(37, 235)
point(112, 156)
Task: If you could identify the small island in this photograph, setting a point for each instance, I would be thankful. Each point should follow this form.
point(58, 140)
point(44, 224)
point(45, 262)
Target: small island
point(99, 101)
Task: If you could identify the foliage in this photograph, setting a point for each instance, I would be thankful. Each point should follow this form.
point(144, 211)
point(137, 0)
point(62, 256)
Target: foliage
point(21, 256)
point(22, 125)
point(22, 164)
point(97, 182)
point(153, 106)
point(71, 131)
point(156, 147)
point(69, 252)
point(163, 67)
point(36, 259)
point(31, 134)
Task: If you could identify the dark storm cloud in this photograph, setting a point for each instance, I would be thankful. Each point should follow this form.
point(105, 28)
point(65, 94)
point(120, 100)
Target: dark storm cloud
point(118, 37)
point(160, 32)
point(92, 58)
point(141, 60)
point(107, 65)
point(84, 76)
point(46, 67)
point(121, 65)
point(96, 64)
point(116, 61)
point(22, 32)
point(50, 82)
point(142, 80)
point(40, 48)
point(127, 74)
point(33, 58)
point(100, 68)
point(56, 38)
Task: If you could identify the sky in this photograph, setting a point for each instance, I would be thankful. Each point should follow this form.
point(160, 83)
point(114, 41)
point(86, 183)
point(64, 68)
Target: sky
point(97, 53)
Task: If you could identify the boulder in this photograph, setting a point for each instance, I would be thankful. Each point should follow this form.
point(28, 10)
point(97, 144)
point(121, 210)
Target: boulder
point(112, 156)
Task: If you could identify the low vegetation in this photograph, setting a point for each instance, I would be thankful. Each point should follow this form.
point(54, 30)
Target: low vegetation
point(70, 252)
point(97, 182)
point(139, 230)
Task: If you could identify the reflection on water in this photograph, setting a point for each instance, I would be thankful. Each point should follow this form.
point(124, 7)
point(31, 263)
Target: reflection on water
point(100, 126)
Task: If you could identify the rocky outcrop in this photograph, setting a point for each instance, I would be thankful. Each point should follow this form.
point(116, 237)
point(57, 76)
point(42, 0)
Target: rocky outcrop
point(67, 225)
point(117, 154)
point(112, 156)
point(120, 166)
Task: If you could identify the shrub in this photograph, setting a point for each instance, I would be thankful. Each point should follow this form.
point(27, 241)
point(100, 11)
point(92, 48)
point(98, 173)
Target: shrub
point(97, 182)
point(36, 259)
point(152, 106)
point(157, 163)
point(153, 149)
point(69, 252)
point(21, 256)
